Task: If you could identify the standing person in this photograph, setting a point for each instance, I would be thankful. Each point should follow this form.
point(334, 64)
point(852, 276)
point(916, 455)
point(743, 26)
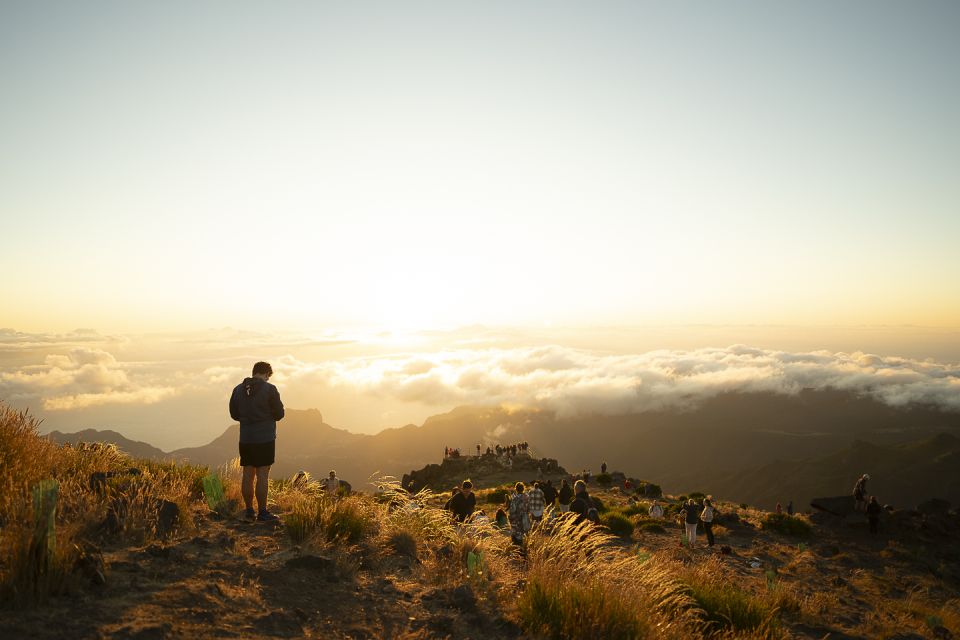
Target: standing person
point(549, 494)
point(707, 517)
point(464, 502)
point(860, 493)
point(256, 405)
point(537, 502)
point(873, 514)
point(565, 496)
point(582, 505)
point(691, 518)
point(478, 451)
point(603, 467)
point(779, 509)
point(790, 508)
point(656, 511)
point(332, 484)
point(519, 513)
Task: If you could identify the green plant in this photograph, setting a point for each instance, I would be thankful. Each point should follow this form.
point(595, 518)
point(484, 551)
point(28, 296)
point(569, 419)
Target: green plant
point(786, 524)
point(604, 479)
point(650, 526)
point(497, 496)
point(617, 523)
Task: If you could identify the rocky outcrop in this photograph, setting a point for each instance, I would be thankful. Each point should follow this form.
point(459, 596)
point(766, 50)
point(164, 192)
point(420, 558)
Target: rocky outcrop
point(453, 470)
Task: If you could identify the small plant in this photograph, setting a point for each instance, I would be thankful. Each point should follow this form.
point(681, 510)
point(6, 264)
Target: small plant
point(786, 524)
point(617, 523)
point(497, 496)
point(598, 503)
point(744, 506)
point(650, 526)
point(604, 480)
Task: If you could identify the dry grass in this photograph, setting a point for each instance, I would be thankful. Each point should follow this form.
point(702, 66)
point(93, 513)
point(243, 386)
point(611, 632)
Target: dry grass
point(34, 564)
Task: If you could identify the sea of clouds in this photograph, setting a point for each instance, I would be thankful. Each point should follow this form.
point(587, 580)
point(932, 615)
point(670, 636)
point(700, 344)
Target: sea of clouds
point(82, 370)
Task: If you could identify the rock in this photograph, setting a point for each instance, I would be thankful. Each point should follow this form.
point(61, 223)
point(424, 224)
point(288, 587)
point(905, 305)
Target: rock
point(934, 506)
point(310, 562)
point(463, 598)
point(167, 515)
point(279, 624)
point(837, 505)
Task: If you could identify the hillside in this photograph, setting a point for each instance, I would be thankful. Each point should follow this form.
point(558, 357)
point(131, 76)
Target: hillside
point(134, 448)
point(394, 565)
point(734, 443)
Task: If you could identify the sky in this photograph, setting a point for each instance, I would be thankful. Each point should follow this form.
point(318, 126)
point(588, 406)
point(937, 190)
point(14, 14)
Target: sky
point(344, 186)
point(407, 165)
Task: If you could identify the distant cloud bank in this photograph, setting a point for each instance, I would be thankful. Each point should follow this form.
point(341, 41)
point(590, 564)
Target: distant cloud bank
point(571, 381)
point(83, 369)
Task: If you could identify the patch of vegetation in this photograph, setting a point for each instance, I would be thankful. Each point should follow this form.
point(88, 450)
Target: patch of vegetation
point(698, 496)
point(786, 524)
point(598, 503)
point(497, 496)
point(617, 523)
point(604, 480)
point(650, 526)
point(637, 508)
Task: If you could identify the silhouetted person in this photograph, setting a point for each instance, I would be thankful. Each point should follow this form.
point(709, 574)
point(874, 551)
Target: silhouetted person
point(565, 496)
point(860, 492)
point(549, 493)
point(790, 508)
point(691, 518)
point(256, 405)
point(873, 514)
point(603, 467)
point(478, 451)
point(582, 504)
point(779, 509)
point(464, 502)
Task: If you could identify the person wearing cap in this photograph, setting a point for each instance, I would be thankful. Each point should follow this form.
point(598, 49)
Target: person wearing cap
point(860, 493)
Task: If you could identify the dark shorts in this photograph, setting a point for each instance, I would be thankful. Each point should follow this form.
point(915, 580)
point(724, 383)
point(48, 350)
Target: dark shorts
point(257, 454)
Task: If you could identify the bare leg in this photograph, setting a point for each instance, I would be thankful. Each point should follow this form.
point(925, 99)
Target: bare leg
point(246, 486)
point(263, 474)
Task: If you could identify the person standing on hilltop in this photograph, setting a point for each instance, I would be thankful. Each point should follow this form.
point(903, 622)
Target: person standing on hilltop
point(256, 405)
point(707, 517)
point(860, 493)
point(692, 517)
point(603, 467)
point(873, 514)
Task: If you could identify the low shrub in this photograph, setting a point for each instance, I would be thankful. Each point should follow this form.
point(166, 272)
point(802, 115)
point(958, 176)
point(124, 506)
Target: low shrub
point(346, 520)
point(650, 526)
point(598, 503)
point(698, 496)
point(725, 605)
point(604, 479)
point(617, 523)
point(497, 496)
point(637, 508)
point(786, 524)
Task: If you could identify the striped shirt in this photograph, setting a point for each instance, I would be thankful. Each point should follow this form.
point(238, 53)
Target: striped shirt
point(537, 502)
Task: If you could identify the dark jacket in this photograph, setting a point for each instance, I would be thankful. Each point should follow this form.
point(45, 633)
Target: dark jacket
point(256, 405)
point(463, 506)
point(693, 513)
point(549, 495)
point(581, 505)
point(566, 494)
point(873, 510)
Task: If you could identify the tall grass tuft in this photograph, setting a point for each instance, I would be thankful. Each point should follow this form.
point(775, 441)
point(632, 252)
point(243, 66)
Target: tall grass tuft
point(579, 586)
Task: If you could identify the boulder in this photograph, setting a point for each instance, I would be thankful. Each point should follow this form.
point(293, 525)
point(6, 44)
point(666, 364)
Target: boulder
point(836, 505)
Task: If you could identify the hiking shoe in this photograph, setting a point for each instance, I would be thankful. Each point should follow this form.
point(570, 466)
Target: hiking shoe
point(266, 516)
point(249, 514)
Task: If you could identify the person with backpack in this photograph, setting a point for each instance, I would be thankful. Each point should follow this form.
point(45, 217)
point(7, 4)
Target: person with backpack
point(519, 513)
point(582, 505)
point(860, 493)
point(256, 405)
point(691, 518)
point(706, 516)
point(565, 496)
point(464, 502)
point(873, 514)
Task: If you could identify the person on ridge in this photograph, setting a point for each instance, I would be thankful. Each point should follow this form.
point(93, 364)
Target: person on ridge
point(464, 502)
point(549, 493)
point(256, 405)
point(332, 484)
point(860, 493)
point(565, 496)
point(603, 467)
point(873, 514)
point(691, 519)
point(656, 511)
point(790, 508)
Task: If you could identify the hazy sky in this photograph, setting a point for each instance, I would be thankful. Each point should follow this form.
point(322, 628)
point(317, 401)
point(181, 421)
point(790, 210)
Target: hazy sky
point(174, 165)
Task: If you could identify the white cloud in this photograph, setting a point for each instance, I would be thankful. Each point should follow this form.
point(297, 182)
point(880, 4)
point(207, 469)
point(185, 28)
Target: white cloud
point(572, 381)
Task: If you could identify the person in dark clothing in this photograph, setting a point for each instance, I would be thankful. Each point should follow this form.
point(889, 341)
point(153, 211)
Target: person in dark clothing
point(692, 517)
point(790, 508)
point(873, 514)
point(565, 496)
point(603, 467)
point(582, 505)
point(256, 405)
point(448, 505)
point(464, 502)
point(706, 516)
point(549, 493)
